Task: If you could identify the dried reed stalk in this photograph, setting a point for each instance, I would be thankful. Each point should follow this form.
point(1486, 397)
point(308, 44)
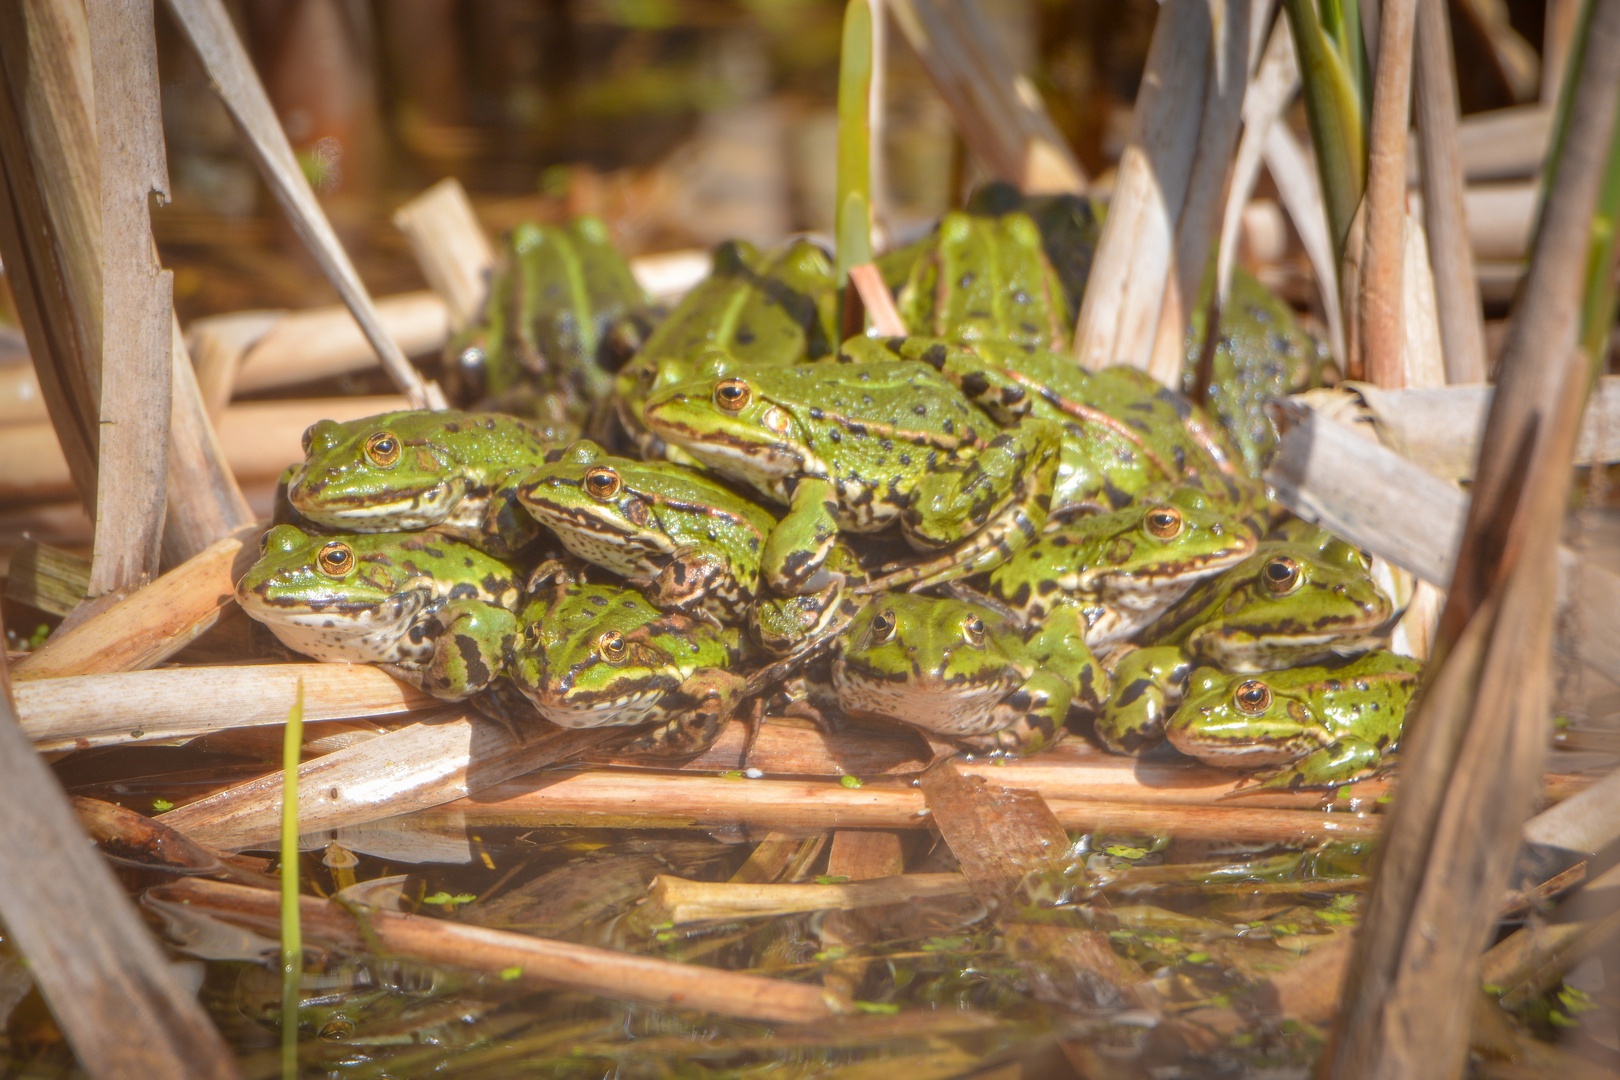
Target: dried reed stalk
point(677, 900)
point(998, 111)
point(208, 28)
point(1481, 727)
point(1119, 316)
point(1300, 189)
point(137, 299)
point(450, 247)
point(106, 981)
point(205, 503)
point(256, 440)
point(153, 622)
point(422, 765)
point(631, 800)
point(1327, 473)
point(82, 711)
point(50, 215)
point(1207, 182)
point(1588, 821)
point(1462, 325)
point(259, 350)
point(539, 963)
point(1384, 255)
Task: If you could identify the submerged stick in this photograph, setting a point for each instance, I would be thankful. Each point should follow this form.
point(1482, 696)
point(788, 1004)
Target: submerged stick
point(524, 960)
point(292, 940)
point(680, 901)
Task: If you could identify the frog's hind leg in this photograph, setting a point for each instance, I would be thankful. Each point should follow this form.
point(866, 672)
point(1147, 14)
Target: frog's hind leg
point(1035, 713)
point(471, 651)
point(701, 708)
point(999, 501)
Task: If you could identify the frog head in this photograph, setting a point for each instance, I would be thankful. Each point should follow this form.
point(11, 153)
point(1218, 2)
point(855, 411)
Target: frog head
point(939, 663)
point(1243, 721)
point(584, 499)
point(297, 571)
point(597, 656)
point(1290, 603)
point(731, 426)
point(392, 471)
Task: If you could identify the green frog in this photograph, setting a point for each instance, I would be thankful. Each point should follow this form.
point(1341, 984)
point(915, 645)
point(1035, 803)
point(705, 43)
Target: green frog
point(1123, 569)
point(962, 671)
point(564, 313)
point(860, 448)
point(986, 277)
point(753, 310)
point(1124, 436)
point(1307, 727)
point(456, 471)
point(1261, 352)
point(431, 610)
point(1301, 598)
point(603, 656)
point(693, 541)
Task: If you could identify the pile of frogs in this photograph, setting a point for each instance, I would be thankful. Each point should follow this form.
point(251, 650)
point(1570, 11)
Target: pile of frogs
point(664, 524)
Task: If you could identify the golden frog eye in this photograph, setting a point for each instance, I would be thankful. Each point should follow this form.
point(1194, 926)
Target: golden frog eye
point(382, 449)
point(973, 630)
point(1164, 522)
point(1280, 576)
point(335, 559)
point(732, 394)
point(335, 1030)
point(883, 626)
point(611, 646)
point(602, 482)
point(1252, 696)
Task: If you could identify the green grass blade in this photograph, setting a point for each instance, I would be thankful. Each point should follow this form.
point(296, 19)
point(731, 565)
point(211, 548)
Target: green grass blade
point(1335, 109)
point(853, 221)
point(292, 938)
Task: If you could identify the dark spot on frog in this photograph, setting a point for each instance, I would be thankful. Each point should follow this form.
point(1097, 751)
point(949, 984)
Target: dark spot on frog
point(466, 560)
point(599, 601)
point(464, 591)
point(949, 426)
point(631, 604)
point(935, 355)
point(835, 435)
point(478, 672)
point(816, 413)
point(905, 459)
point(417, 635)
point(451, 427)
point(966, 280)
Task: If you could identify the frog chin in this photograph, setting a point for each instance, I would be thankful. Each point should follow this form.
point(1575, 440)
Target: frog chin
point(597, 710)
point(390, 632)
point(929, 704)
point(1229, 753)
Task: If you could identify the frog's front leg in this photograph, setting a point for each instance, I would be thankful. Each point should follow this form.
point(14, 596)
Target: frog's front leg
point(1337, 763)
point(1060, 646)
point(694, 579)
point(506, 527)
point(471, 650)
point(1035, 713)
point(984, 510)
point(701, 707)
point(1147, 686)
point(796, 551)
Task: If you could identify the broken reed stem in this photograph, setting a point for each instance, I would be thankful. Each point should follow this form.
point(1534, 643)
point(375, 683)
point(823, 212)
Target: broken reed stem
point(1546, 319)
point(1199, 217)
point(208, 28)
point(1471, 753)
point(1382, 307)
point(1119, 316)
point(137, 379)
point(1462, 327)
point(152, 623)
point(450, 247)
point(527, 961)
point(106, 981)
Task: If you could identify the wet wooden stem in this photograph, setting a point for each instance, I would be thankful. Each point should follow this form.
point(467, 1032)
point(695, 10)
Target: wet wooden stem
point(1381, 308)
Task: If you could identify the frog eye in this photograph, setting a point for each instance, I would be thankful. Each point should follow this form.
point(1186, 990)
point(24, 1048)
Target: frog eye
point(1280, 576)
point(973, 630)
point(883, 626)
point(335, 559)
point(611, 646)
point(1164, 522)
point(335, 1030)
point(382, 449)
point(1252, 696)
point(602, 482)
point(732, 394)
